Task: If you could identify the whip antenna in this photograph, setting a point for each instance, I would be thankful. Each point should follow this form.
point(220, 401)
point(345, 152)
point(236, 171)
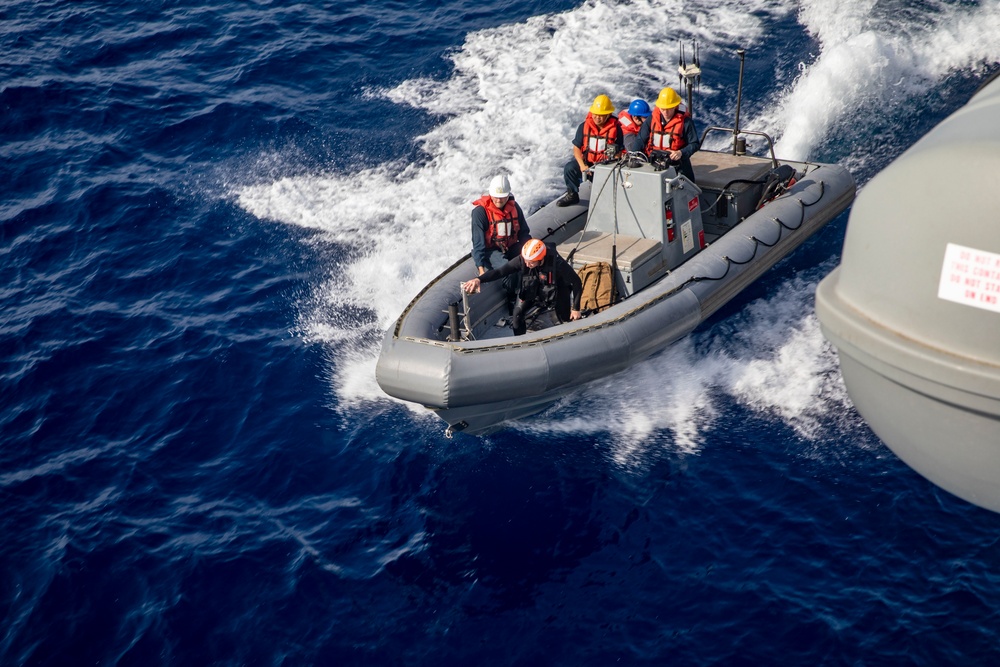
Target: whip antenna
point(690, 75)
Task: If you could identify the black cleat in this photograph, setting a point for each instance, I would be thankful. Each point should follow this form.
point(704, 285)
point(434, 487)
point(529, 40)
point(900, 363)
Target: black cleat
point(568, 199)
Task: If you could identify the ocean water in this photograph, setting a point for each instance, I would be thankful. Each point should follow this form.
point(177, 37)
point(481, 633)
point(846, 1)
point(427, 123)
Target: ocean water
point(211, 212)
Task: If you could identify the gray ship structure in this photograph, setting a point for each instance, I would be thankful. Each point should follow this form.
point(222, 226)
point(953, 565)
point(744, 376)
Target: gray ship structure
point(678, 252)
point(914, 307)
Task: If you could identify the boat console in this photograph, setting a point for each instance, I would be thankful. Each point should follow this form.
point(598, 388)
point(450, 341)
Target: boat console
point(643, 220)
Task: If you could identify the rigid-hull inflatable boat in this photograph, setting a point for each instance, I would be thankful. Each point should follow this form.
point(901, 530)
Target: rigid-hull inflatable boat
point(678, 252)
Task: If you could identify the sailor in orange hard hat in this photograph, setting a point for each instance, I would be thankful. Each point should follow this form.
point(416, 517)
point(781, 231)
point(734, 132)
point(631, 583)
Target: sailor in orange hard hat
point(546, 280)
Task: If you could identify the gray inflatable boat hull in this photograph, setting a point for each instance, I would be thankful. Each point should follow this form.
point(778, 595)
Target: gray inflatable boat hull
point(476, 385)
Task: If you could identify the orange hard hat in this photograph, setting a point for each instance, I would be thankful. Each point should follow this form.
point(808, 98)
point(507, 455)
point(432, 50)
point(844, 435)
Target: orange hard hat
point(533, 251)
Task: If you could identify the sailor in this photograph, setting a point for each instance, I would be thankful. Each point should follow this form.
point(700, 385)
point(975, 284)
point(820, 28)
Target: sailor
point(598, 138)
point(547, 280)
point(498, 226)
point(672, 131)
point(632, 120)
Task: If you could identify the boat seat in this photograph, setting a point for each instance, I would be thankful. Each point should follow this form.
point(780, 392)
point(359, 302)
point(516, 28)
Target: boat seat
point(714, 171)
point(715, 174)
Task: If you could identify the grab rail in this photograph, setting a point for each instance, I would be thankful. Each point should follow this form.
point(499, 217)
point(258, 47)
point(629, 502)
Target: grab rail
point(736, 133)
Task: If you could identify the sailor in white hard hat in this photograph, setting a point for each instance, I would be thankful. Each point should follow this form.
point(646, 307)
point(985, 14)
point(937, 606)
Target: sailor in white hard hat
point(498, 226)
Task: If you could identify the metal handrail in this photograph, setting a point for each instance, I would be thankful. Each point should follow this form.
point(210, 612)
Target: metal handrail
point(735, 133)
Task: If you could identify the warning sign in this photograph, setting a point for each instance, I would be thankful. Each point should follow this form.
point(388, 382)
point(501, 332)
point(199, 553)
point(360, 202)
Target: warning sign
point(687, 237)
point(970, 277)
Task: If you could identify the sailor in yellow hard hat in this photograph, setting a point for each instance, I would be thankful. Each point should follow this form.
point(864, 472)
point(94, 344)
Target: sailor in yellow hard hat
point(598, 137)
point(670, 129)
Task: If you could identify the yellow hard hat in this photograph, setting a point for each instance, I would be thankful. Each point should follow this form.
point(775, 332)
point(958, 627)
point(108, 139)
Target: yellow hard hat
point(668, 99)
point(602, 106)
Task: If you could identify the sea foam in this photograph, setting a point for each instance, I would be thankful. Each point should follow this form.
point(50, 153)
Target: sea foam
point(513, 110)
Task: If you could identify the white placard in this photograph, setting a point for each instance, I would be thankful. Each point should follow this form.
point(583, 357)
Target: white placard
point(687, 237)
point(970, 277)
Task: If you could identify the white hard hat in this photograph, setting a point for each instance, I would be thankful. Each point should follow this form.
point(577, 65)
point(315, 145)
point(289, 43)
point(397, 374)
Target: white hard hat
point(499, 186)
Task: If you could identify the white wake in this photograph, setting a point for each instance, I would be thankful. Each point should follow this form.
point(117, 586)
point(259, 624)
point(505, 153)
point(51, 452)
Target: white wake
point(515, 109)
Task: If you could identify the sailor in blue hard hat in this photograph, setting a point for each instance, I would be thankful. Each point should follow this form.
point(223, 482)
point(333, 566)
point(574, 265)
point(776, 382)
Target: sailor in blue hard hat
point(632, 120)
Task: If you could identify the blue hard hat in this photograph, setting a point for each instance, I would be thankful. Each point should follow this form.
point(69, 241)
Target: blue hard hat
point(638, 108)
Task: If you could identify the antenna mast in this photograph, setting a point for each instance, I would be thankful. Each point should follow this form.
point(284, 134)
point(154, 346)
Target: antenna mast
point(739, 102)
point(690, 74)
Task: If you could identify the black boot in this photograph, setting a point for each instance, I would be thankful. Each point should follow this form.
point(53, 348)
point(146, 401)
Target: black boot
point(568, 199)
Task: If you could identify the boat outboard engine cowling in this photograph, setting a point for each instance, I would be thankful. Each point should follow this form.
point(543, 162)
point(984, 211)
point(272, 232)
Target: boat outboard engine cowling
point(914, 307)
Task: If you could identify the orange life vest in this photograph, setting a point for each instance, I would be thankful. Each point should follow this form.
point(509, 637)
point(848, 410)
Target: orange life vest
point(596, 139)
point(669, 136)
point(629, 124)
point(504, 226)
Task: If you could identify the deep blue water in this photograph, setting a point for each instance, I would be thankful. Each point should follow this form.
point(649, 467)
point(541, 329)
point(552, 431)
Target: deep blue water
point(210, 213)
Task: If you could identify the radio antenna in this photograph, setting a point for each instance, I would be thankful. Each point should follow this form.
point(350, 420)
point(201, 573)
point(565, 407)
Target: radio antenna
point(690, 74)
